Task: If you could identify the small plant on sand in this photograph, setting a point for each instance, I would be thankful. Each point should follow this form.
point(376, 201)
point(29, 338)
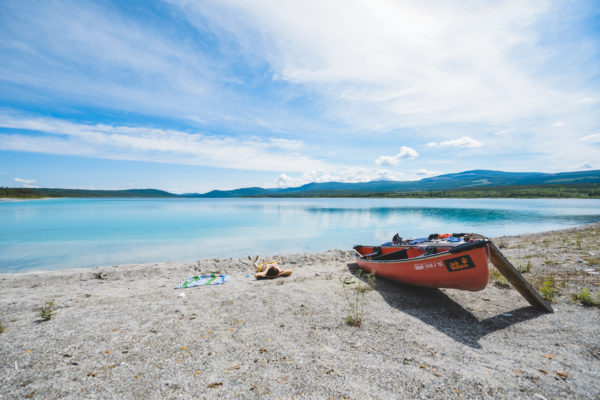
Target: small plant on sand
point(578, 240)
point(524, 268)
point(498, 279)
point(47, 311)
point(547, 290)
point(1, 328)
point(354, 293)
point(592, 260)
point(586, 298)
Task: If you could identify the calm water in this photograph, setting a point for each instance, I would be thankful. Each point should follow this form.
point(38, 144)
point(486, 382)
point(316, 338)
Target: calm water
point(69, 233)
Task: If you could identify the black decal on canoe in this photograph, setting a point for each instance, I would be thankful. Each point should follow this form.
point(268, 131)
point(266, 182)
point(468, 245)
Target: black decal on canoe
point(459, 263)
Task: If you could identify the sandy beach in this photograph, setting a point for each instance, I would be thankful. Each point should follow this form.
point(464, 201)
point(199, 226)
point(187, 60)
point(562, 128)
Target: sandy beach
point(124, 332)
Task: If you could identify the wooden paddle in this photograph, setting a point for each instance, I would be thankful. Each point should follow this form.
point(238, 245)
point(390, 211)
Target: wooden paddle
point(517, 280)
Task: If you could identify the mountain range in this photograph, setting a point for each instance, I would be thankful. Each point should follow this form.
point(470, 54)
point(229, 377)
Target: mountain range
point(461, 180)
point(476, 183)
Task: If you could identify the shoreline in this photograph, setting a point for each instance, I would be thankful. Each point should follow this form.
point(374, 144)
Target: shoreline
point(422, 197)
point(125, 332)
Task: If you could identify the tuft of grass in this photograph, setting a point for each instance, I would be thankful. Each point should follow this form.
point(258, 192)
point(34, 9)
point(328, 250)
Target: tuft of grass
point(498, 279)
point(524, 268)
point(47, 311)
point(592, 260)
point(578, 240)
point(586, 298)
point(354, 294)
point(1, 328)
point(547, 290)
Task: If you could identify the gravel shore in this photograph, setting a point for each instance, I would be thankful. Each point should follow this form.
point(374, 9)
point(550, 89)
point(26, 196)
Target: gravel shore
point(124, 332)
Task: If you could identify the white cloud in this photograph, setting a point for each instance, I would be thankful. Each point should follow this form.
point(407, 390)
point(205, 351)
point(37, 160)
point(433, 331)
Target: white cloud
point(344, 67)
point(287, 144)
point(496, 133)
point(156, 145)
point(465, 142)
point(407, 153)
point(352, 175)
point(407, 62)
point(101, 57)
point(27, 181)
point(558, 124)
point(587, 100)
point(426, 173)
point(585, 166)
point(593, 138)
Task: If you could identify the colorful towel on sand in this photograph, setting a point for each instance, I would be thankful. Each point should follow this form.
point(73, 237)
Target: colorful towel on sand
point(203, 280)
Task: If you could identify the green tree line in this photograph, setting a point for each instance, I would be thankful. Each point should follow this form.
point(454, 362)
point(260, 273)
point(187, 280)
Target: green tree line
point(566, 191)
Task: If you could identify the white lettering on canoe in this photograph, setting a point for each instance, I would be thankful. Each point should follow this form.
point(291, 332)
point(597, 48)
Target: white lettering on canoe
point(435, 264)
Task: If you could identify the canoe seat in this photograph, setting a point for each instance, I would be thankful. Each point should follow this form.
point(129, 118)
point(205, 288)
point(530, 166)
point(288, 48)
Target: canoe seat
point(430, 250)
point(396, 255)
point(376, 252)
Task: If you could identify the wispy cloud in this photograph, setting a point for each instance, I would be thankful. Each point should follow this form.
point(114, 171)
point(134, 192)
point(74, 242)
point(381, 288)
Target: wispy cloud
point(405, 153)
point(336, 175)
point(26, 183)
point(593, 138)
point(585, 166)
point(151, 144)
point(298, 86)
point(465, 142)
point(587, 100)
point(352, 175)
point(100, 56)
point(426, 173)
point(410, 62)
point(81, 55)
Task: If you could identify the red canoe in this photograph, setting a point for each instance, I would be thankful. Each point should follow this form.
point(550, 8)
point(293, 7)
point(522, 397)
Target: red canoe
point(430, 264)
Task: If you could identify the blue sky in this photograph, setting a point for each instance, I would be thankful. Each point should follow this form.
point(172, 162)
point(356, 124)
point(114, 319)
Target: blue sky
point(190, 96)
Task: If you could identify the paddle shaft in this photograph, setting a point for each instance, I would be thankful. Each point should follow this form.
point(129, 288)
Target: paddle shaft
point(517, 280)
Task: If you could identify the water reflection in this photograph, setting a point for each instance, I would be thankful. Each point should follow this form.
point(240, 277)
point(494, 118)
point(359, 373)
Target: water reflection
point(463, 215)
point(64, 233)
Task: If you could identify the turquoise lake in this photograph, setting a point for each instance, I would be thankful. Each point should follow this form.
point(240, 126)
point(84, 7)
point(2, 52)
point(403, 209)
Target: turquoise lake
point(71, 233)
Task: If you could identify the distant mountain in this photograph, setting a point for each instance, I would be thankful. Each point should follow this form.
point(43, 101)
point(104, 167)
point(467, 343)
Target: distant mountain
point(146, 193)
point(477, 183)
point(461, 180)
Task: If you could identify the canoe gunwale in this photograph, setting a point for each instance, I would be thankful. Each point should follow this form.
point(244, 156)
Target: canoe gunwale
point(406, 260)
point(457, 249)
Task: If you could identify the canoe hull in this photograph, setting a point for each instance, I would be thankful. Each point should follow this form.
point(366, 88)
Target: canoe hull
point(465, 270)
